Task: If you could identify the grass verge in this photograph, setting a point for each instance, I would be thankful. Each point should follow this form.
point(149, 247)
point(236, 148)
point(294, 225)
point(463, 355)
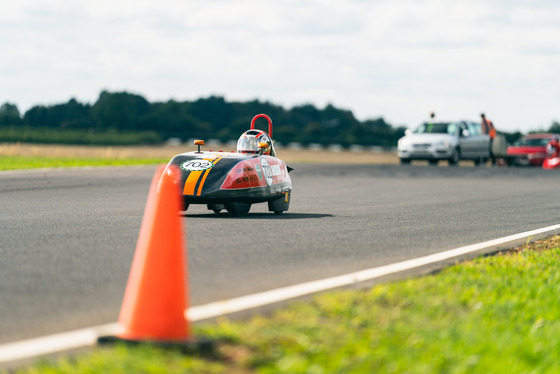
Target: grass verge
point(290, 156)
point(25, 162)
point(492, 315)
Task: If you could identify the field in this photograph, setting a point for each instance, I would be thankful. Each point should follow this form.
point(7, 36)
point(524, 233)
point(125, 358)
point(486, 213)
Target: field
point(164, 153)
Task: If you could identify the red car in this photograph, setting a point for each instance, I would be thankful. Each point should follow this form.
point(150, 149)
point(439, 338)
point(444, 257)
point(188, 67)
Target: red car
point(530, 150)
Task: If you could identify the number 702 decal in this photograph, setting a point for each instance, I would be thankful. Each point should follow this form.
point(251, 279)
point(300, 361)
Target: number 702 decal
point(196, 165)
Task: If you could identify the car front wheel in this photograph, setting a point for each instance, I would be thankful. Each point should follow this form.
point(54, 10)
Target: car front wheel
point(455, 157)
point(238, 209)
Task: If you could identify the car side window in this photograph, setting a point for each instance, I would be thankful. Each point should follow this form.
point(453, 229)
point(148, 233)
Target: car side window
point(475, 128)
point(452, 128)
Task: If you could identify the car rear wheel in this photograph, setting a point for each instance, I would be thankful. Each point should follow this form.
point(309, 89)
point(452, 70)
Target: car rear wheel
point(280, 205)
point(238, 209)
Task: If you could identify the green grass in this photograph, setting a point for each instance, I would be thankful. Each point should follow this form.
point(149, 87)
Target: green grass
point(24, 162)
point(492, 315)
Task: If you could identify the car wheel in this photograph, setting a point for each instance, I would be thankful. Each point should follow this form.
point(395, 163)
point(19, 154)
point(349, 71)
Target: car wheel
point(455, 157)
point(433, 162)
point(405, 161)
point(238, 209)
point(216, 208)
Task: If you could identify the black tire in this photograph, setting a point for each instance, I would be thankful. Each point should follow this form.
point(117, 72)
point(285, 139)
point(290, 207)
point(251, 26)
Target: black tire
point(216, 208)
point(279, 205)
point(455, 157)
point(405, 161)
point(238, 209)
point(479, 161)
point(433, 162)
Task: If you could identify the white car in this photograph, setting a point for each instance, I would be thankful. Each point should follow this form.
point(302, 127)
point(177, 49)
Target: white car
point(451, 141)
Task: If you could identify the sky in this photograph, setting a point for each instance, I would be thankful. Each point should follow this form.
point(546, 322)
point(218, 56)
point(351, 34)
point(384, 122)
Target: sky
point(398, 59)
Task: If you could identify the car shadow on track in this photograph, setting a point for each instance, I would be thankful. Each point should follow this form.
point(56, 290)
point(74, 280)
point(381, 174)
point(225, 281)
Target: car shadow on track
point(225, 215)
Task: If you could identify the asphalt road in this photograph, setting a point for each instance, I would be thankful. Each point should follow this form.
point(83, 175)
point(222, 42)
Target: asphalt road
point(67, 237)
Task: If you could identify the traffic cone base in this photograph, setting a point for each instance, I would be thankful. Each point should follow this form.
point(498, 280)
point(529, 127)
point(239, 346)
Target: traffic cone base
point(192, 345)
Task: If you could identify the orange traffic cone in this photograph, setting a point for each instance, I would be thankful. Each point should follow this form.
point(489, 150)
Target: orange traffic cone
point(155, 300)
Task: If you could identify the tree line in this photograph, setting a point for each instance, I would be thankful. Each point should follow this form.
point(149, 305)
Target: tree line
point(118, 113)
point(128, 118)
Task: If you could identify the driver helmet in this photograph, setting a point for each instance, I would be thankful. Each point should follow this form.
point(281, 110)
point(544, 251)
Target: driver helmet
point(249, 142)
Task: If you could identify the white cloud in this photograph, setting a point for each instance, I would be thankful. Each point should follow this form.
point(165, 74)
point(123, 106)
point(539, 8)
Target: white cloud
point(396, 59)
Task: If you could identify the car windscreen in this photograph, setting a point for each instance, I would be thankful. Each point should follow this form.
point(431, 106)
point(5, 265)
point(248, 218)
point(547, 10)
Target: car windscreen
point(535, 142)
point(437, 128)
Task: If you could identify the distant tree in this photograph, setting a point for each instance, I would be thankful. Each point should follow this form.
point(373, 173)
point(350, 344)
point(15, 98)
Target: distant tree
point(554, 128)
point(72, 115)
point(380, 133)
point(9, 115)
point(305, 113)
point(38, 116)
point(206, 118)
point(234, 130)
point(399, 132)
point(512, 137)
point(174, 119)
point(313, 132)
point(119, 110)
point(75, 115)
point(286, 134)
point(213, 110)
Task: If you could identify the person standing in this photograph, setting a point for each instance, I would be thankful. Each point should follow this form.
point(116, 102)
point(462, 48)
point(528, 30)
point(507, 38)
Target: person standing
point(488, 128)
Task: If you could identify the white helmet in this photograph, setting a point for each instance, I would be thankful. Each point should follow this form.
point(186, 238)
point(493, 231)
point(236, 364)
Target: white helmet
point(249, 142)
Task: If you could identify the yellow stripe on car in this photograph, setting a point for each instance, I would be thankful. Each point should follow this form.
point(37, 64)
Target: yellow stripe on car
point(194, 176)
point(206, 175)
point(190, 183)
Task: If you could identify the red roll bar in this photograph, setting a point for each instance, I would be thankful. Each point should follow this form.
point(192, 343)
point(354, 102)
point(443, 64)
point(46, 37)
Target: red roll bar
point(269, 123)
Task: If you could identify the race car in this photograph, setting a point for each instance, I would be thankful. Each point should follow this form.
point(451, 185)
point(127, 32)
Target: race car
point(235, 180)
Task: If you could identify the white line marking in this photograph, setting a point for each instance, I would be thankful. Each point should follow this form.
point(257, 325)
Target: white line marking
point(88, 336)
point(219, 308)
point(55, 343)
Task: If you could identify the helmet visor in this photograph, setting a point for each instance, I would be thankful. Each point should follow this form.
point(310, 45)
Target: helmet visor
point(248, 143)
